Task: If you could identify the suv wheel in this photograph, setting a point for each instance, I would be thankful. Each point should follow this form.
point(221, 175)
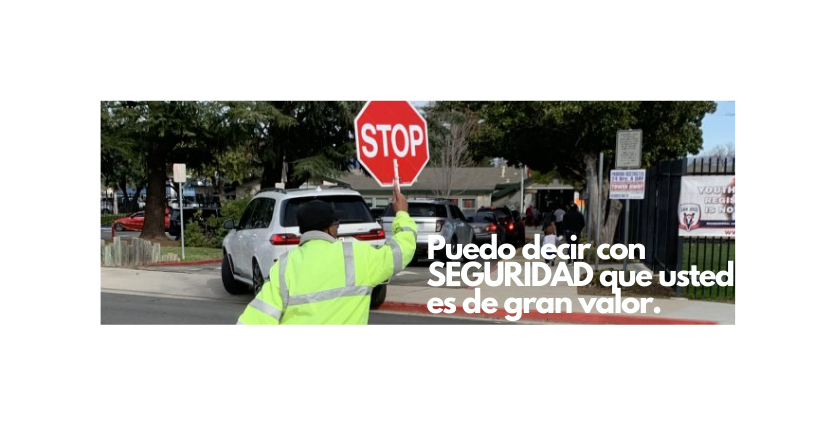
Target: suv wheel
point(378, 296)
point(258, 278)
point(453, 242)
point(230, 285)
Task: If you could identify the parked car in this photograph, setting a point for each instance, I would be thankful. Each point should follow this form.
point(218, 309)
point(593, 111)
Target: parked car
point(377, 212)
point(136, 221)
point(514, 228)
point(439, 217)
point(268, 229)
point(485, 225)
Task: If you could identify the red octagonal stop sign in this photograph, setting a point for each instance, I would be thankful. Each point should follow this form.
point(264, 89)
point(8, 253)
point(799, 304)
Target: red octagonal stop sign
point(390, 133)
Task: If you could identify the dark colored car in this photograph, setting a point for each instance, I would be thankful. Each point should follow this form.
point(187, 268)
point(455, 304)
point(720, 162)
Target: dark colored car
point(514, 228)
point(485, 224)
point(377, 212)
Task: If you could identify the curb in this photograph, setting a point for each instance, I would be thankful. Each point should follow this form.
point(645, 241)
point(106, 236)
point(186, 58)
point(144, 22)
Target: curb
point(193, 262)
point(564, 318)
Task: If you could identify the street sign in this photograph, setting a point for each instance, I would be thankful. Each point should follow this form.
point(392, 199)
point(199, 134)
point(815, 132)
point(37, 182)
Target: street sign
point(180, 177)
point(392, 142)
point(179, 173)
point(628, 149)
point(627, 184)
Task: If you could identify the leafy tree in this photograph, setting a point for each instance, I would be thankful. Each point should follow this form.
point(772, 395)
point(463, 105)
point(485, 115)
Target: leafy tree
point(305, 140)
point(159, 134)
point(121, 165)
point(567, 136)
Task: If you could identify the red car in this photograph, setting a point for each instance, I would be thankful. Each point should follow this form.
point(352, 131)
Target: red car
point(135, 221)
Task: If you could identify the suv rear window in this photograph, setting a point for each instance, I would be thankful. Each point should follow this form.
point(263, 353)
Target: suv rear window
point(421, 210)
point(486, 216)
point(349, 209)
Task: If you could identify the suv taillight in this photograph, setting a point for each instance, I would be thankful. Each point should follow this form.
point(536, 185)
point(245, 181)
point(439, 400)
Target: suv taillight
point(375, 234)
point(284, 239)
point(439, 225)
point(491, 228)
point(511, 227)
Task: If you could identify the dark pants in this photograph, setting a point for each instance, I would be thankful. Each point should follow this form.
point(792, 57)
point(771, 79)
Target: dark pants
point(567, 234)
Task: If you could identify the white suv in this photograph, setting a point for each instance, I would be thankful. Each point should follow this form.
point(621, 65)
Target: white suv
point(268, 229)
point(434, 217)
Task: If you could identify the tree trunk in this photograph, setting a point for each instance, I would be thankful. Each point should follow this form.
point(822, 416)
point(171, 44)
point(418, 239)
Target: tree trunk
point(608, 231)
point(135, 198)
point(154, 226)
point(218, 187)
point(123, 185)
point(592, 185)
point(272, 174)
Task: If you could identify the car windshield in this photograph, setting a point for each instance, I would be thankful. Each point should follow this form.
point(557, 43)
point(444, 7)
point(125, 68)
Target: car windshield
point(421, 210)
point(348, 208)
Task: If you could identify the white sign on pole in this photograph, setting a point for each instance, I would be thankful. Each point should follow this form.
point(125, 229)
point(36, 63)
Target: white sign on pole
point(179, 173)
point(180, 177)
point(628, 149)
point(627, 184)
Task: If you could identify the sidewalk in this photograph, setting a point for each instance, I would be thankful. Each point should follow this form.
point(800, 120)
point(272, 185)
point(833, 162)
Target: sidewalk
point(671, 311)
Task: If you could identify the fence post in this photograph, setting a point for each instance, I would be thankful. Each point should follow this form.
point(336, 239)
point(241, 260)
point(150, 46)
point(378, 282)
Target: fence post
point(683, 172)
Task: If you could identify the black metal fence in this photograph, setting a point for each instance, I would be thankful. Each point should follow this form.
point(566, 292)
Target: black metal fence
point(654, 224)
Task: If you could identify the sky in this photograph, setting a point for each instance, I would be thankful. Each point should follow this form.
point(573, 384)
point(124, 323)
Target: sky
point(717, 128)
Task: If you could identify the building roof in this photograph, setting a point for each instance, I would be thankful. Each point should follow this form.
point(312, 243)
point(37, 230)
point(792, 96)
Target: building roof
point(468, 181)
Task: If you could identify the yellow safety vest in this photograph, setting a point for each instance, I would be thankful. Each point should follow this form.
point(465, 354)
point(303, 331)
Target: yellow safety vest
point(325, 281)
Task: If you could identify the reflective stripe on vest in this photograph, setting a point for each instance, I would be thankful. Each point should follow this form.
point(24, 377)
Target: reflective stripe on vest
point(350, 289)
point(282, 282)
point(410, 229)
point(348, 255)
point(266, 308)
point(396, 255)
point(334, 293)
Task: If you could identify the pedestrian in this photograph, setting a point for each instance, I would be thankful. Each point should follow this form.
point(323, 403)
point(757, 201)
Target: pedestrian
point(573, 223)
point(325, 281)
point(548, 218)
point(529, 216)
point(550, 239)
point(558, 220)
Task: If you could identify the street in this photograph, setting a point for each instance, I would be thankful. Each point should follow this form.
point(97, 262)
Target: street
point(136, 309)
point(193, 294)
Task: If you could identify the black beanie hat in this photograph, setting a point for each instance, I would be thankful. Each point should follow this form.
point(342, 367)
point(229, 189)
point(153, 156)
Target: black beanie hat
point(314, 216)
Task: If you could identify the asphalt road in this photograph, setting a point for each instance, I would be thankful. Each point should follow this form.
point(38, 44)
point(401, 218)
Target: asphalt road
point(415, 275)
point(133, 309)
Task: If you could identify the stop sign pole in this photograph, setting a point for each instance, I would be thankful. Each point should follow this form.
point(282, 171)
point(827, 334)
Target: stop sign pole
point(397, 181)
point(392, 142)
